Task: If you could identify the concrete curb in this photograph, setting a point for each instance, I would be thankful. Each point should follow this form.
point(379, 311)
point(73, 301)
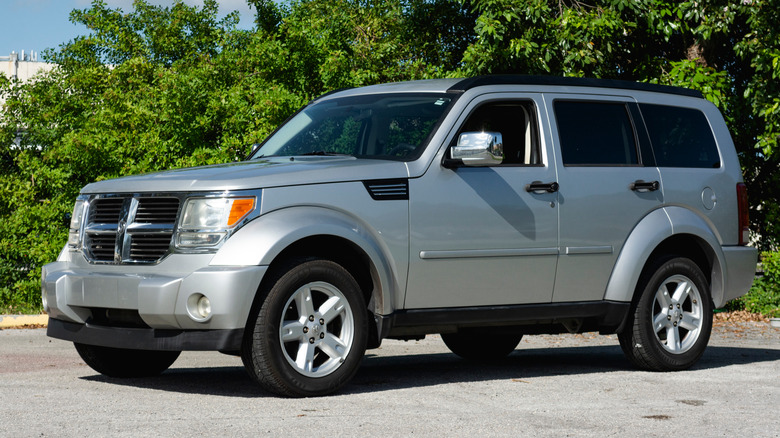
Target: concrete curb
point(10, 321)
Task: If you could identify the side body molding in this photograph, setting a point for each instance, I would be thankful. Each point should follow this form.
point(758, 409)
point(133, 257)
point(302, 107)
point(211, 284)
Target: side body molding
point(651, 231)
point(263, 239)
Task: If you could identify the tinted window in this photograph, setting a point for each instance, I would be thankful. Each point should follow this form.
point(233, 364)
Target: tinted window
point(681, 137)
point(595, 133)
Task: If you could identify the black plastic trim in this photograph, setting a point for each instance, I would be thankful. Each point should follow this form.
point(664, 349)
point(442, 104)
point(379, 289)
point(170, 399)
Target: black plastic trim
point(604, 316)
point(388, 189)
point(146, 339)
point(478, 81)
point(647, 156)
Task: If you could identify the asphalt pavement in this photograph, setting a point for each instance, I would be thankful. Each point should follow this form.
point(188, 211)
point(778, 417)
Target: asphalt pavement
point(551, 386)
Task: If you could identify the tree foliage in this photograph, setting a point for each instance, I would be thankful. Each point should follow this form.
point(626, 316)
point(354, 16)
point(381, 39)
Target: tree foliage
point(157, 87)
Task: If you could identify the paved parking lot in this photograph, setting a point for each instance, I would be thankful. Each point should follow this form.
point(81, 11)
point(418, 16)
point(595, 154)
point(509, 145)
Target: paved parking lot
point(550, 386)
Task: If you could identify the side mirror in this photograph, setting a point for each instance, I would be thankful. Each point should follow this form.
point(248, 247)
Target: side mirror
point(479, 149)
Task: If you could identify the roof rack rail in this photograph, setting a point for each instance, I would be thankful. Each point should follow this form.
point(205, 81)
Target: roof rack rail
point(477, 81)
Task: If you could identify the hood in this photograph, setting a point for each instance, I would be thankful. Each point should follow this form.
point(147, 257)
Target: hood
point(255, 174)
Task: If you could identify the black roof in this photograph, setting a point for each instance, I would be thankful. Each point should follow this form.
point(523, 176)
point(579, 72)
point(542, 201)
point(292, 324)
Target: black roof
point(477, 81)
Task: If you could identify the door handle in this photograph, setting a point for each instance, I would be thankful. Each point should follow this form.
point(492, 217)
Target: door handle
point(644, 186)
point(540, 187)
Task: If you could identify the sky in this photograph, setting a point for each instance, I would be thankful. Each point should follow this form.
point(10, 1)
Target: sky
point(39, 24)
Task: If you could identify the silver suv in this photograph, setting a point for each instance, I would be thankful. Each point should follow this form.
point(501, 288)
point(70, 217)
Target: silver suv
point(482, 209)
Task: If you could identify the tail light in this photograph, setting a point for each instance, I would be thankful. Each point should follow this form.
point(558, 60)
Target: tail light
point(744, 215)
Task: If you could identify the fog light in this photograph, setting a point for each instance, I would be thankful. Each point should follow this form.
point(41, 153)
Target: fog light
point(199, 307)
point(204, 307)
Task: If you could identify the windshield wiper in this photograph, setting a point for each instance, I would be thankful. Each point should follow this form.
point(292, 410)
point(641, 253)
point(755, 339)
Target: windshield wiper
point(324, 153)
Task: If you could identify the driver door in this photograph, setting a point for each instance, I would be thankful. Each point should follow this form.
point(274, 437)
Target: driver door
point(483, 236)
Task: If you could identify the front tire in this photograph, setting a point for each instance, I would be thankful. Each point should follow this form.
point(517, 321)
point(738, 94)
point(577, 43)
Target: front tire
point(120, 362)
point(671, 322)
point(309, 335)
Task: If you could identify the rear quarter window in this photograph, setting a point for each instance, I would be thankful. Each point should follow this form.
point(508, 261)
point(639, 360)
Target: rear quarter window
point(681, 137)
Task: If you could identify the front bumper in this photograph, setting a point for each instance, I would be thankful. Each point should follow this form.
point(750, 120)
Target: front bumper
point(77, 293)
point(146, 339)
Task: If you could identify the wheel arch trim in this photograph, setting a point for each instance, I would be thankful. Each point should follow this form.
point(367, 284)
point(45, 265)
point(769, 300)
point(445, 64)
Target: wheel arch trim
point(651, 233)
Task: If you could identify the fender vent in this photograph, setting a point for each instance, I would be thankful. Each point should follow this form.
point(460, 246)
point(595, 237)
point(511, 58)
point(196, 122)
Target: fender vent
point(388, 189)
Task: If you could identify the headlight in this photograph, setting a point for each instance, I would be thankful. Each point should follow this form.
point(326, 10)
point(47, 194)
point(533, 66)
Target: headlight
point(206, 221)
point(76, 220)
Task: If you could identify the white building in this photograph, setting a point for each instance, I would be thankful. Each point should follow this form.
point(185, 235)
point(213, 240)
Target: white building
point(22, 65)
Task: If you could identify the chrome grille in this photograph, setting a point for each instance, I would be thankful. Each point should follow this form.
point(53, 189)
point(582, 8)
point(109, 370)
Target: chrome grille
point(101, 246)
point(157, 210)
point(130, 229)
point(149, 247)
point(106, 210)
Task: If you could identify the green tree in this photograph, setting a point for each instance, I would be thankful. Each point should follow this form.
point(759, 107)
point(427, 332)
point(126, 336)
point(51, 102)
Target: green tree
point(321, 45)
point(759, 109)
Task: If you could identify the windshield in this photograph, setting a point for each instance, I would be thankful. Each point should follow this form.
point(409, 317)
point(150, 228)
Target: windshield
point(387, 126)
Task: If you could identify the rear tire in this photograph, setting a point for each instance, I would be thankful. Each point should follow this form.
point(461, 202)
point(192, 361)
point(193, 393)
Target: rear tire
point(671, 322)
point(309, 335)
point(120, 362)
point(482, 345)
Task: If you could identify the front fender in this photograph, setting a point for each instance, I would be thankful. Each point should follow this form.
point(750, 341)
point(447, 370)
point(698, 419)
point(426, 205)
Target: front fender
point(651, 232)
point(263, 239)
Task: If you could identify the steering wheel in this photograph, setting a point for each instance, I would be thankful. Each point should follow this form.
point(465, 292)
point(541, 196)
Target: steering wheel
point(401, 149)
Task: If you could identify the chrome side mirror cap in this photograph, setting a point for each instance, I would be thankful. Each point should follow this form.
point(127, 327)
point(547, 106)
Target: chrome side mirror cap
point(479, 149)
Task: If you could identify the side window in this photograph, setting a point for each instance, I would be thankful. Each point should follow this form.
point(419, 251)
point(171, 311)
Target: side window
point(681, 137)
point(595, 133)
point(516, 122)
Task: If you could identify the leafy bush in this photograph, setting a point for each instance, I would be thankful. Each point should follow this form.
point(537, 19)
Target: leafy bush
point(764, 296)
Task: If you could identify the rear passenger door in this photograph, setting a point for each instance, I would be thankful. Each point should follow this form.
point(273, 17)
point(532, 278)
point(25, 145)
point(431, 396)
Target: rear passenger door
point(608, 182)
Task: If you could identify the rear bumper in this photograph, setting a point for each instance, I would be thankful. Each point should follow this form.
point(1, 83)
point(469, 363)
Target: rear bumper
point(146, 339)
point(740, 266)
